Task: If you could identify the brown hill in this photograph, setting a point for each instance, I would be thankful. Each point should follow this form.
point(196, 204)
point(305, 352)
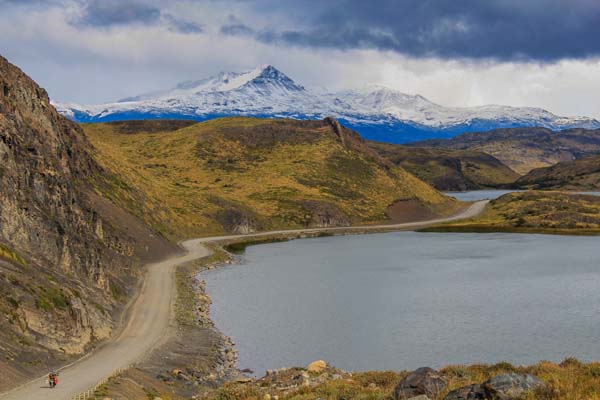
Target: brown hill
point(446, 169)
point(582, 174)
point(523, 149)
point(248, 174)
point(65, 251)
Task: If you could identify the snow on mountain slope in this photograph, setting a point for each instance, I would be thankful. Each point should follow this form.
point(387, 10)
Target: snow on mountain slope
point(376, 112)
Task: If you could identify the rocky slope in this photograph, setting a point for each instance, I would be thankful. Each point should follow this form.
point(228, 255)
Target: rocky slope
point(67, 254)
point(523, 149)
point(449, 170)
point(239, 175)
point(581, 175)
point(376, 112)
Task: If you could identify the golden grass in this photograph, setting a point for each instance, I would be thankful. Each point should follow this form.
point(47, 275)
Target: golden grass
point(569, 380)
point(180, 181)
point(535, 211)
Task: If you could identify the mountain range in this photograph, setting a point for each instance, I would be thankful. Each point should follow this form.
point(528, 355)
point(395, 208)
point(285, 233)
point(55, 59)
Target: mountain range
point(376, 112)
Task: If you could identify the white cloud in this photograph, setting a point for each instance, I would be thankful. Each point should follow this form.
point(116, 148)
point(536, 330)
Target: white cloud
point(91, 64)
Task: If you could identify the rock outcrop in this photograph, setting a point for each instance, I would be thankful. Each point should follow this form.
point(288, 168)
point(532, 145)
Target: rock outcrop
point(422, 381)
point(510, 386)
point(317, 367)
point(71, 248)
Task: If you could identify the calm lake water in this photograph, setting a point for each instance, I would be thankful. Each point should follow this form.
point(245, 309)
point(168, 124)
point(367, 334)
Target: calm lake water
point(405, 300)
point(476, 195)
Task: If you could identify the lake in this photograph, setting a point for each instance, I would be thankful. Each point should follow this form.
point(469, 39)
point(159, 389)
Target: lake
point(405, 300)
point(476, 195)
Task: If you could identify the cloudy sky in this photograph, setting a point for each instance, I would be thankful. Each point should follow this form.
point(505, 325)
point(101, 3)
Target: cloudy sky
point(542, 53)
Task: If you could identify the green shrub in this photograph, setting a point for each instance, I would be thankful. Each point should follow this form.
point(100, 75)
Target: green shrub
point(49, 298)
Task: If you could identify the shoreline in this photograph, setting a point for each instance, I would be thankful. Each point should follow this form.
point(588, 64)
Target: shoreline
point(193, 354)
point(292, 381)
point(483, 229)
point(192, 304)
point(235, 248)
point(211, 369)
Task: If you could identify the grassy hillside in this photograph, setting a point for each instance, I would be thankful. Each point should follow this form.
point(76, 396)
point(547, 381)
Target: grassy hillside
point(582, 174)
point(445, 169)
point(534, 211)
point(245, 174)
point(523, 149)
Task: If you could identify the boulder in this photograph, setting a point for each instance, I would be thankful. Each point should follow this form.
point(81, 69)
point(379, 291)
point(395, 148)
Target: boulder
point(420, 397)
point(424, 381)
point(317, 366)
point(501, 387)
point(471, 392)
point(511, 386)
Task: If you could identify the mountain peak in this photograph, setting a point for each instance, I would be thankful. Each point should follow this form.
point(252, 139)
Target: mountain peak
point(260, 77)
point(269, 75)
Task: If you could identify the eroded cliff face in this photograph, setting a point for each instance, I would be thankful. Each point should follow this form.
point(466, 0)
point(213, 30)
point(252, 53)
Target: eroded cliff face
point(68, 256)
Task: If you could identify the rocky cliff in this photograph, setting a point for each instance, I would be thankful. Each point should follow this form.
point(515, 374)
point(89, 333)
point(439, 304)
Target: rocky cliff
point(68, 256)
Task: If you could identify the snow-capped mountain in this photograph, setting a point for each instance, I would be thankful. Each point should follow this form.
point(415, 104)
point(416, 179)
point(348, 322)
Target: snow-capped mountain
point(376, 112)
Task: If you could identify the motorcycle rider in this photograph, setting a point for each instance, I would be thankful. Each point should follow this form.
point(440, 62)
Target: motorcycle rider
point(53, 379)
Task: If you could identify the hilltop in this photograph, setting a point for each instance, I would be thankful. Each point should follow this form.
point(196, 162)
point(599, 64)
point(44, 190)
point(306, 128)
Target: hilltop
point(376, 112)
point(553, 212)
point(240, 175)
point(449, 170)
point(524, 149)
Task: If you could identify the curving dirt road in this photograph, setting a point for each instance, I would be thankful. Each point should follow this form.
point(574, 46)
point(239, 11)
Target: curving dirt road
point(150, 316)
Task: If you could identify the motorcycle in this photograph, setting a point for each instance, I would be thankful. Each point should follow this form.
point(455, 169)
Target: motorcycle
point(53, 380)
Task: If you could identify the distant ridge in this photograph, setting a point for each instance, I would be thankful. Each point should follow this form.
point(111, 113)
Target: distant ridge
point(524, 149)
point(376, 112)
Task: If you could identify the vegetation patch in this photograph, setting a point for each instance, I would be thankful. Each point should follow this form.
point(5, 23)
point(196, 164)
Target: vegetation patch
point(534, 212)
point(11, 255)
point(49, 298)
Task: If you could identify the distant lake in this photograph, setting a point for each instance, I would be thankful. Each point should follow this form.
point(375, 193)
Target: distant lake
point(405, 300)
point(476, 195)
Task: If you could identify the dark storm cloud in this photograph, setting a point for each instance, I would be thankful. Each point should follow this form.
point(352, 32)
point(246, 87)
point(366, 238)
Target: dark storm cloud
point(237, 29)
point(178, 25)
point(530, 30)
point(106, 13)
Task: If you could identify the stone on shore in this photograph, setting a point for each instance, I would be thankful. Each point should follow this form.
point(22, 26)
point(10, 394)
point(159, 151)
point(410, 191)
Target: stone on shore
point(471, 392)
point(510, 386)
point(422, 381)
